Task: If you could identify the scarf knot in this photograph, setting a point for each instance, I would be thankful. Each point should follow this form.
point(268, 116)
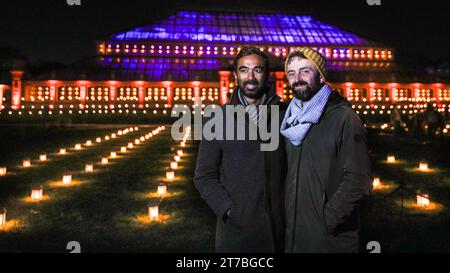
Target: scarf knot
point(298, 119)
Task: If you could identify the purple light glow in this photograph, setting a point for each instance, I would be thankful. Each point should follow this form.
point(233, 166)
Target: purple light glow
point(192, 26)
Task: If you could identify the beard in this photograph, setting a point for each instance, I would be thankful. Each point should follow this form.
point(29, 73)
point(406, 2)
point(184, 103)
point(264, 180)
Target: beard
point(304, 91)
point(252, 89)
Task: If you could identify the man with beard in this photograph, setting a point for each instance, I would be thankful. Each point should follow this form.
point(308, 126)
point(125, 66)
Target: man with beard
point(241, 183)
point(328, 164)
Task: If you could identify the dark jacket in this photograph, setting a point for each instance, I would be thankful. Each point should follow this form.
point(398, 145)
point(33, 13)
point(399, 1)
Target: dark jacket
point(328, 174)
point(237, 175)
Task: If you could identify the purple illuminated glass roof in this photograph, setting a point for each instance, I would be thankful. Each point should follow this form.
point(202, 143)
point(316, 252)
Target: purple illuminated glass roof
point(242, 28)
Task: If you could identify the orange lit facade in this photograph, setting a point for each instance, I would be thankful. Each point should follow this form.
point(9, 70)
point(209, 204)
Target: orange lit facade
point(188, 57)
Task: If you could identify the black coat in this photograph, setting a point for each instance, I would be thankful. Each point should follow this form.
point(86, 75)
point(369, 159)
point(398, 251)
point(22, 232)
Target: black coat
point(328, 174)
point(237, 175)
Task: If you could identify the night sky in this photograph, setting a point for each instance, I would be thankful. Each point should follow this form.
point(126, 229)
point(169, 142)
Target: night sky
point(53, 31)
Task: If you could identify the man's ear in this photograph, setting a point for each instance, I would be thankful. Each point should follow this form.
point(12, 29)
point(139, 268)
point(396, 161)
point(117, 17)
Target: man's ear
point(235, 75)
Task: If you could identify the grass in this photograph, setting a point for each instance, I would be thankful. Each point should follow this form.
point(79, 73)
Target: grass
point(408, 228)
point(106, 211)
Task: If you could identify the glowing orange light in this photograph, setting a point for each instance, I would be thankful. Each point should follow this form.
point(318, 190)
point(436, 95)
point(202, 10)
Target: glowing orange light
point(3, 218)
point(36, 194)
point(376, 183)
point(174, 165)
point(89, 168)
point(391, 159)
point(153, 213)
point(162, 189)
point(67, 178)
point(423, 167)
point(26, 163)
point(3, 171)
point(423, 200)
point(170, 175)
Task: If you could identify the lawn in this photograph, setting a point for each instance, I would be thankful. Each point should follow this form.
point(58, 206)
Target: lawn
point(107, 210)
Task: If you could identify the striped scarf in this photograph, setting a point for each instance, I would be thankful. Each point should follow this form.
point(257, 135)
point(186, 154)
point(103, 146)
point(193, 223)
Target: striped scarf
point(252, 109)
point(298, 119)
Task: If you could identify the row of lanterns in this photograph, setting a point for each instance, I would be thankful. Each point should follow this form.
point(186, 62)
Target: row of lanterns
point(422, 199)
point(26, 163)
point(153, 209)
point(37, 192)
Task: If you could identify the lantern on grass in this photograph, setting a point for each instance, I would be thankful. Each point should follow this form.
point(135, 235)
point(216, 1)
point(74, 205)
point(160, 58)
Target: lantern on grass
point(89, 168)
point(120, 132)
point(130, 145)
point(180, 152)
point(113, 135)
point(67, 178)
point(376, 183)
point(3, 218)
point(37, 193)
point(78, 147)
point(98, 140)
point(173, 165)
point(123, 149)
point(104, 160)
point(162, 189)
point(88, 143)
point(106, 137)
point(136, 128)
point(3, 170)
point(390, 158)
point(423, 200)
point(26, 163)
point(43, 157)
point(137, 142)
point(147, 137)
point(142, 139)
point(62, 151)
point(177, 158)
point(153, 212)
point(183, 144)
point(423, 167)
point(113, 154)
point(170, 175)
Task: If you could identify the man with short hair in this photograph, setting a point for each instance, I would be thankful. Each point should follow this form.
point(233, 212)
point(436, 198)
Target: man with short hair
point(328, 163)
point(242, 184)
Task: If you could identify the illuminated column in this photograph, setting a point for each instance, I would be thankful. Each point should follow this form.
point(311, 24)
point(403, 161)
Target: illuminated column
point(197, 99)
point(416, 92)
point(224, 85)
point(369, 92)
point(435, 89)
point(83, 90)
point(392, 92)
point(112, 92)
point(141, 93)
point(279, 83)
point(53, 93)
point(2, 87)
point(16, 89)
point(168, 86)
point(347, 89)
